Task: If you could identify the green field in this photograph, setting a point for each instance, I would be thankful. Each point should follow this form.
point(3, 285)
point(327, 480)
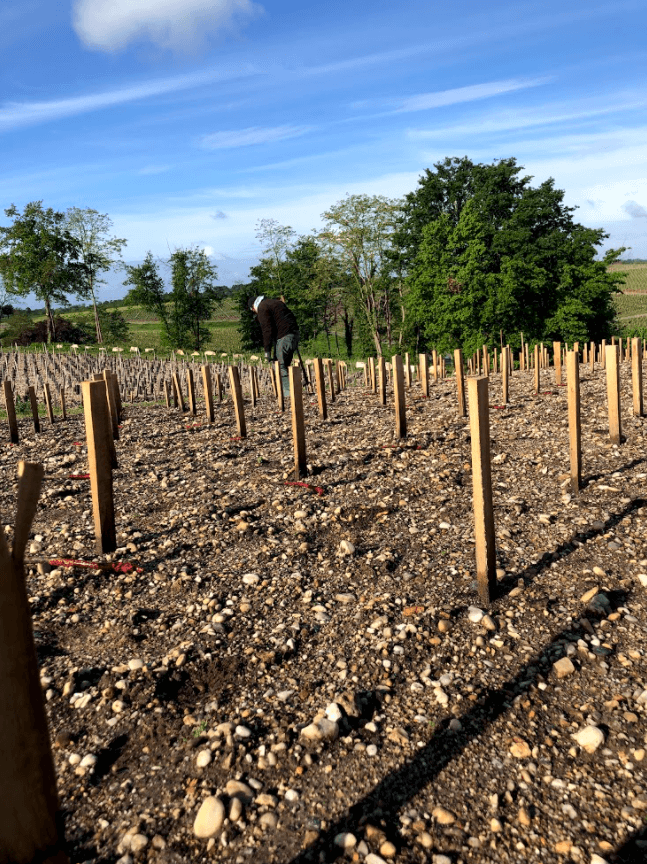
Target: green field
point(631, 305)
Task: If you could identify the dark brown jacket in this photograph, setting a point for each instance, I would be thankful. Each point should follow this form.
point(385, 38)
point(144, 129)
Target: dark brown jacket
point(276, 321)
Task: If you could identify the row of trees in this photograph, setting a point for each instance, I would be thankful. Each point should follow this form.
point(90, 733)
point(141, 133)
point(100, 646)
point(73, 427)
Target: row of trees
point(473, 255)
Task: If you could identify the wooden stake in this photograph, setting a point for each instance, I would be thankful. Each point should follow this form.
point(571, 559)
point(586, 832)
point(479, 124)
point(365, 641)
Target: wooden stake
point(381, 366)
point(112, 404)
point(177, 389)
point(219, 386)
point(237, 396)
point(505, 373)
point(208, 392)
point(98, 433)
point(486, 362)
point(190, 384)
point(574, 425)
point(460, 382)
point(48, 403)
point(537, 382)
point(613, 393)
point(34, 409)
point(321, 388)
point(29, 820)
point(279, 385)
point(331, 379)
point(557, 360)
point(11, 411)
point(372, 376)
point(434, 363)
point(637, 376)
point(167, 394)
point(298, 425)
point(603, 354)
point(423, 365)
point(61, 396)
point(482, 484)
point(407, 370)
point(399, 397)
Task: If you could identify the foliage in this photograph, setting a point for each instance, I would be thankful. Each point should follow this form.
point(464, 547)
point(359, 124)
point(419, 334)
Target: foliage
point(98, 251)
point(22, 330)
point(112, 325)
point(251, 338)
point(502, 255)
point(186, 309)
point(38, 254)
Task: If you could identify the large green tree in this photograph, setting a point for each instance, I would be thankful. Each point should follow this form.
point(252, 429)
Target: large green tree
point(501, 255)
point(185, 310)
point(99, 251)
point(38, 254)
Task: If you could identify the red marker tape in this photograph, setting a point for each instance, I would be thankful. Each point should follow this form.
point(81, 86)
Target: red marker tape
point(317, 489)
point(117, 567)
point(78, 476)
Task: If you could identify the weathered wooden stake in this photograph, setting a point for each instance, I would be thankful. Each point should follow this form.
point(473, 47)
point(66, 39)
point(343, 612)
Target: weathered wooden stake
point(373, 377)
point(167, 394)
point(279, 386)
point(48, 403)
point(486, 362)
point(637, 376)
point(98, 434)
point(537, 382)
point(208, 392)
point(574, 424)
point(331, 379)
point(219, 386)
point(321, 388)
point(603, 354)
point(434, 362)
point(177, 389)
point(237, 396)
point(557, 360)
point(34, 409)
point(112, 404)
point(381, 366)
point(423, 365)
point(190, 385)
point(61, 396)
point(460, 382)
point(482, 484)
point(11, 411)
point(29, 821)
point(298, 425)
point(505, 375)
point(399, 397)
point(613, 393)
point(407, 370)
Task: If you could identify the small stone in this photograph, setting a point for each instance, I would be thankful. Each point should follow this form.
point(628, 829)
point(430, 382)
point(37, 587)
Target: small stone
point(598, 859)
point(589, 738)
point(475, 614)
point(425, 839)
point(333, 712)
point(210, 817)
point(346, 547)
point(520, 749)
point(345, 840)
point(135, 664)
point(235, 809)
point(444, 626)
point(523, 817)
point(387, 849)
point(63, 739)
point(371, 750)
point(441, 859)
point(238, 789)
point(266, 800)
point(321, 730)
point(243, 732)
point(563, 667)
point(74, 759)
point(138, 842)
point(203, 758)
point(118, 706)
point(269, 820)
point(292, 796)
point(442, 816)
point(495, 826)
point(563, 847)
point(251, 578)
point(89, 761)
point(599, 571)
point(372, 858)
point(488, 622)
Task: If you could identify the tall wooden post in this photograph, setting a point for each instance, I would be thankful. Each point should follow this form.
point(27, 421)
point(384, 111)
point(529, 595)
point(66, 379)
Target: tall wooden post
point(331, 380)
point(190, 385)
point(298, 425)
point(29, 821)
point(112, 404)
point(434, 363)
point(237, 396)
point(557, 360)
point(407, 370)
point(34, 409)
point(177, 389)
point(613, 393)
point(603, 354)
point(574, 424)
point(536, 355)
point(48, 403)
point(482, 484)
point(460, 382)
point(637, 376)
point(381, 366)
point(424, 374)
point(371, 369)
point(208, 392)
point(486, 362)
point(98, 434)
point(10, 405)
point(61, 396)
point(219, 386)
point(252, 389)
point(167, 394)
point(399, 397)
point(505, 375)
point(321, 388)
point(592, 356)
point(279, 385)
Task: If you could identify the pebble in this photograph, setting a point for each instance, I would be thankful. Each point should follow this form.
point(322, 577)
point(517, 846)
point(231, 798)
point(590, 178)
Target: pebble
point(495, 825)
point(235, 809)
point(203, 758)
point(345, 840)
point(371, 750)
point(333, 712)
point(589, 595)
point(135, 664)
point(251, 578)
point(598, 859)
point(238, 789)
point(138, 842)
point(444, 626)
point(346, 547)
point(387, 849)
point(292, 796)
point(441, 859)
point(589, 738)
point(442, 816)
point(520, 749)
point(321, 730)
point(475, 614)
point(89, 761)
point(269, 820)
point(372, 858)
point(74, 759)
point(563, 667)
point(488, 622)
point(243, 732)
point(426, 840)
point(210, 817)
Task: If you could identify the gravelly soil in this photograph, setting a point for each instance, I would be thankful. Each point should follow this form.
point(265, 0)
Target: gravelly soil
point(451, 736)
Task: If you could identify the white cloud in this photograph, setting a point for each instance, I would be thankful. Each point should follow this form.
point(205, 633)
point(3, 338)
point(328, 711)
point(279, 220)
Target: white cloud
point(439, 99)
point(15, 114)
point(251, 135)
point(110, 25)
point(208, 251)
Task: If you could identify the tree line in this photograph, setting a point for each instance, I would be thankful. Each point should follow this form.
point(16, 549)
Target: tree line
point(474, 255)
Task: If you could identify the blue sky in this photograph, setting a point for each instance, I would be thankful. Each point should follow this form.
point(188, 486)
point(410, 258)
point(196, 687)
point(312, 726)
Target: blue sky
point(187, 121)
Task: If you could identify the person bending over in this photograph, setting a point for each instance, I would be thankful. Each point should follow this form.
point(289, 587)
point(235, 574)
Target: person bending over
point(280, 333)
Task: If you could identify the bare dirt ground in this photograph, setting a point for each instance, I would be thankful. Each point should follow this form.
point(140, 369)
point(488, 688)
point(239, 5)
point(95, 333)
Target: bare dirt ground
point(347, 701)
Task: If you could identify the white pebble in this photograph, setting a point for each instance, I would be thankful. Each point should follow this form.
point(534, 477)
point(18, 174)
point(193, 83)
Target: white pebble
point(210, 817)
point(203, 758)
point(589, 738)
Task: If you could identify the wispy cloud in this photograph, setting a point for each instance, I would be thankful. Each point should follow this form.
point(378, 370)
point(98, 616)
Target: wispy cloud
point(635, 210)
point(17, 114)
point(441, 98)
point(252, 135)
point(110, 25)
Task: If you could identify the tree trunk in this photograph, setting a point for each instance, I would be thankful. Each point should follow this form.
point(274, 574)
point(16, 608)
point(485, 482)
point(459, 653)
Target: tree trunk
point(96, 321)
point(50, 321)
